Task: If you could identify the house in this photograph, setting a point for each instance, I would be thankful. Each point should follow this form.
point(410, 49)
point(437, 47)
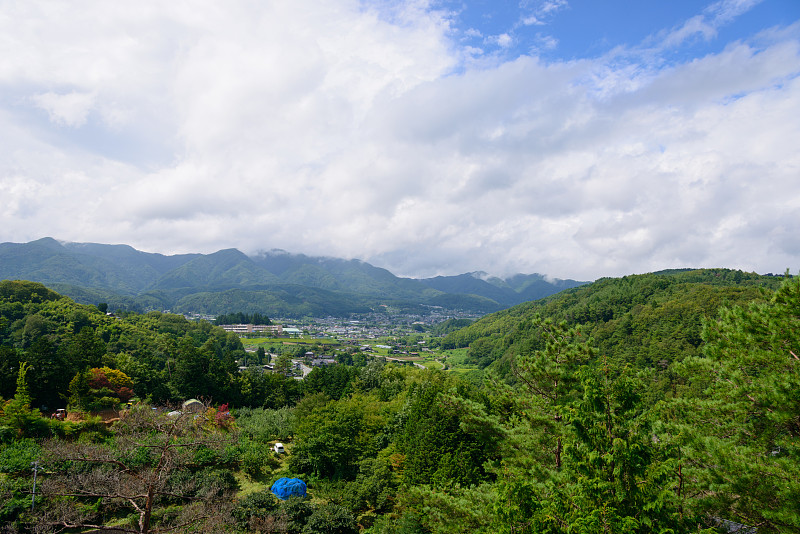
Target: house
point(271, 329)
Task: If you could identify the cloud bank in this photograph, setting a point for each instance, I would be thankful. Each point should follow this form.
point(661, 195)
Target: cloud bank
point(354, 130)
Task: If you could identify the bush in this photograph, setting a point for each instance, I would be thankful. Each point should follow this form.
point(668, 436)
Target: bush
point(330, 519)
point(265, 424)
point(255, 508)
point(7, 434)
point(255, 459)
point(296, 510)
point(213, 482)
point(17, 457)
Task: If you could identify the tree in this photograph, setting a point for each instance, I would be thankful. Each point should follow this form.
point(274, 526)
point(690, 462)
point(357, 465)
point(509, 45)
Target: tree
point(17, 413)
point(50, 374)
point(198, 373)
point(9, 368)
point(283, 364)
point(86, 349)
point(446, 437)
point(615, 476)
point(330, 441)
point(549, 374)
point(99, 388)
point(151, 464)
point(330, 519)
point(741, 414)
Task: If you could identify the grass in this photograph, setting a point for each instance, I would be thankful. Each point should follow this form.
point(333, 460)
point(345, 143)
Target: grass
point(247, 485)
point(258, 341)
point(432, 364)
point(456, 358)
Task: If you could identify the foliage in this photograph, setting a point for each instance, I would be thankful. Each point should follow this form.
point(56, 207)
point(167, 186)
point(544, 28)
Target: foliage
point(330, 519)
point(17, 457)
point(17, 415)
point(614, 478)
point(457, 433)
point(264, 424)
point(740, 414)
point(333, 437)
point(145, 470)
point(256, 512)
point(241, 318)
point(100, 388)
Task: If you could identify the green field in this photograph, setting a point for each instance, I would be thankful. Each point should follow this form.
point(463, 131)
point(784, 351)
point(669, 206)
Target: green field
point(308, 340)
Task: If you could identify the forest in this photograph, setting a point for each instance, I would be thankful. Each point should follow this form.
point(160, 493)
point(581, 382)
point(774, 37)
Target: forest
point(665, 402)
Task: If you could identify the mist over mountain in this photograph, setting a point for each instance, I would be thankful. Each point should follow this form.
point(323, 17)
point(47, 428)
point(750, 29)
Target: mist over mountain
point(273, 282)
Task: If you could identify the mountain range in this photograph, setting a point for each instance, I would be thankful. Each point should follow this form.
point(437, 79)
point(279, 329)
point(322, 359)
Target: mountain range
point(276, 282)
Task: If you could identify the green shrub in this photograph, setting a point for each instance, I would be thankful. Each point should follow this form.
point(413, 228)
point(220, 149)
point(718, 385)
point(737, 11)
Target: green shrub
point(255, 507)
point(205, 456)
point(264, 424)
point(255, 459)
point(330, 519)
point(16, 457)
point(213, 482)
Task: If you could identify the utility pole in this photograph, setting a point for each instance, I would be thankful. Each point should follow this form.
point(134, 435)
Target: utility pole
point(35, 471)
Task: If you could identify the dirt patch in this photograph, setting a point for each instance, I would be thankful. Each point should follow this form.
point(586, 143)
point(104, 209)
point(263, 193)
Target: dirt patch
point(106, 415)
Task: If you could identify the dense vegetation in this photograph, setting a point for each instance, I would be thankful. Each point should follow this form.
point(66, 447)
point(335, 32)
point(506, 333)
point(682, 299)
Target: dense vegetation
point(654, 403)
point(241, 318)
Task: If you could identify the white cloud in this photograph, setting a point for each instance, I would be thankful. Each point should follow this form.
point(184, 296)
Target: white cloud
point(68, 109)
point(328, 128)
point(502, 40)
point(706, 24)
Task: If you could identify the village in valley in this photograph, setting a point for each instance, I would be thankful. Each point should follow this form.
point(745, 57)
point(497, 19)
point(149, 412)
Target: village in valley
point(294, 347)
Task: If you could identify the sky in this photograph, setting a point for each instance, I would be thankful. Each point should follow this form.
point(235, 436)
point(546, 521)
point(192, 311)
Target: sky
point(572, 138)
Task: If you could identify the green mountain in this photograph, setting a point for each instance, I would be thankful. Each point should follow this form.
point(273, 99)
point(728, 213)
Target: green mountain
point(505, 291)
point(272, 283)
point(118, 268)
point(336, 274)
point(223, 268)
point(646, 321)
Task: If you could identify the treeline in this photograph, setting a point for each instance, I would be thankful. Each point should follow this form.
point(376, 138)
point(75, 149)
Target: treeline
point(163, 357)
point(241, 318)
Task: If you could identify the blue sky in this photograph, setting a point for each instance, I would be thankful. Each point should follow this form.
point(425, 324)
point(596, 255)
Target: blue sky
point(578, 29)
point(572, 138)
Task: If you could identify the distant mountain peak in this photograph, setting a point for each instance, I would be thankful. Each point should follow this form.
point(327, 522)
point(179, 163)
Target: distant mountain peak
point(49, 242)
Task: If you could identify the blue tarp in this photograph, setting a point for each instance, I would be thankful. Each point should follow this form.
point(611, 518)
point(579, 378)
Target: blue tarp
point(283, 488)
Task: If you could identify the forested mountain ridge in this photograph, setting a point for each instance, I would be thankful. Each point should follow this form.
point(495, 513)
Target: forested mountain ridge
point(274, 282)
point(647, 320)
point(510, 291)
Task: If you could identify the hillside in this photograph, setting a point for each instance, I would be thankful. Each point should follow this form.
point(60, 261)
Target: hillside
point(274, 282)
point(647, 321)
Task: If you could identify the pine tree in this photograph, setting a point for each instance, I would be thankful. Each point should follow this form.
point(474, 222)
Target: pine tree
point(743, 424)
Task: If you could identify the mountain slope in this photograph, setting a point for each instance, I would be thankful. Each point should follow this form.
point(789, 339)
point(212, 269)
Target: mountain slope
point(341, 275)
point(647, 321)
point(223, 268)
point(293, 284)
point(507, 292)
